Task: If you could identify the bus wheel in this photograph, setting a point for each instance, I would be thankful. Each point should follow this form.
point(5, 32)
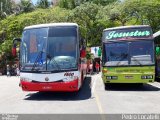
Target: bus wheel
point(139, 84)
point(81, 81)
point(107, 86)
point(82, 77)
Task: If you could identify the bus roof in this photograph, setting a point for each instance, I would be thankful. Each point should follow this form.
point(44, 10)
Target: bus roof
point(50, 25)
point(124, 27)
point(156, 34)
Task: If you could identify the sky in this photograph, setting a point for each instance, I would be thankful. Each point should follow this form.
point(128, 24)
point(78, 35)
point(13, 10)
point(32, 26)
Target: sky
point(33, 1)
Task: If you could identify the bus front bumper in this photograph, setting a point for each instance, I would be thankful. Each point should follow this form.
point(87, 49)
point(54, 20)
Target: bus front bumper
point(126, 79)
point(70, 86)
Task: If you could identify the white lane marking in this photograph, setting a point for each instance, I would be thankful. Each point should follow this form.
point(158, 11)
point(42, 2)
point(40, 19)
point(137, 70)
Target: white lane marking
point(93, 84)
point(94, 94)
point(102, 115)
point(98, 103)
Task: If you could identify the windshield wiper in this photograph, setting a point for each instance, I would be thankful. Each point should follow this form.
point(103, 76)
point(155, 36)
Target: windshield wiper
point(51, 58)
point(139, 63)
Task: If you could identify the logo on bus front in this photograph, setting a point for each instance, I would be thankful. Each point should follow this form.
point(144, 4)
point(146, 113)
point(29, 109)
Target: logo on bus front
point(46, 79)
point(128, 33)
point(68, 74)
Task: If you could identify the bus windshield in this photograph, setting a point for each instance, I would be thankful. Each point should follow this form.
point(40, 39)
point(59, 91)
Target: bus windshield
point(49, 49)
point(33, 49)
point(128, 53)
point(62, 48)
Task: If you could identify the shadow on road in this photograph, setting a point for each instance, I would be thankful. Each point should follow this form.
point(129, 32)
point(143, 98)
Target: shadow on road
point(157, 79)
point(131, 87)
point(84, 93)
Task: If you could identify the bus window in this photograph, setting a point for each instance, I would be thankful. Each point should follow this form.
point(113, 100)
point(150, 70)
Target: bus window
point(141, 52)
point(116, 54)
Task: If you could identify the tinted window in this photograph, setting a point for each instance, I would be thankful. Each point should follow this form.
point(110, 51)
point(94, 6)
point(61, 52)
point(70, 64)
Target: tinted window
point(128, 53)
point(62, 47)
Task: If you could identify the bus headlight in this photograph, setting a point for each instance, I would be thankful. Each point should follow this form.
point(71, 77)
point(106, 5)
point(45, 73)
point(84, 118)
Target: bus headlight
point(65, 79)
point(70, 79)
point(147, 77)
point(25, 79)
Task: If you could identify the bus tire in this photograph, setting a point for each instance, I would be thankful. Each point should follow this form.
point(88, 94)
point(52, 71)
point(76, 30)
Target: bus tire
point(139, 84)
point(107, 86)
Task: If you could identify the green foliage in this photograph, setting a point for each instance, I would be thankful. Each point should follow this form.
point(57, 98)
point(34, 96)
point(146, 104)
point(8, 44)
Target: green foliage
point(89, 55)
point(13, 25)
point(5, 8)
point(71, 4)
point(86, 15)
point(102, 2)
point(133, 12)
point(26, 6)
point(43, 4)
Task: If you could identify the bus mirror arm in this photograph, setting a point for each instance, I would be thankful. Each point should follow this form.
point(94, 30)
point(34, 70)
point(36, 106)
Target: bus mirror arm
point(15, 40)
point(49, 56)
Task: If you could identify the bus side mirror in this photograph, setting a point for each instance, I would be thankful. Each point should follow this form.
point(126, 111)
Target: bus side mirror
point(83, 53)
point(14, 45)
point(14, 51)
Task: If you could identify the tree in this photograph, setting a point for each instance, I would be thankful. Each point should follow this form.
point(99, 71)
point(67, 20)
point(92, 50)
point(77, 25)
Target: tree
point(68, 4)
point(71, 4)
point(5, 8)
point(43, 4)
point(102, 2)
point(133, 12)
point(26, 6)
point(149, 13)
point(12, 26)
point(85, 16)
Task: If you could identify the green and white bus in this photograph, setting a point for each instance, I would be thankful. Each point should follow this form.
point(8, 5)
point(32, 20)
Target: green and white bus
point(128, 55)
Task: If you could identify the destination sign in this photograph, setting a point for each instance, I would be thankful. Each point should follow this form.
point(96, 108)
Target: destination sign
point(128, 33)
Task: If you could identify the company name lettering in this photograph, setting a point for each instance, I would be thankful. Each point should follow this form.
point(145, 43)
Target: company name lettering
point(114, 34)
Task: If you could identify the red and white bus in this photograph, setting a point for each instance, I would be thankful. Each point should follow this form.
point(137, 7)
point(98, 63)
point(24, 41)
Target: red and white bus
point(52, 57)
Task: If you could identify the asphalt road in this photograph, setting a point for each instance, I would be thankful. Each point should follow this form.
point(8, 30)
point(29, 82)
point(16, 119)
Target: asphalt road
point(93, 98)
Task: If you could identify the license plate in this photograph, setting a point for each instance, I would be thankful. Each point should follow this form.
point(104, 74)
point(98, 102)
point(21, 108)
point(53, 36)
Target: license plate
point(47, 87)
point(129, 77)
